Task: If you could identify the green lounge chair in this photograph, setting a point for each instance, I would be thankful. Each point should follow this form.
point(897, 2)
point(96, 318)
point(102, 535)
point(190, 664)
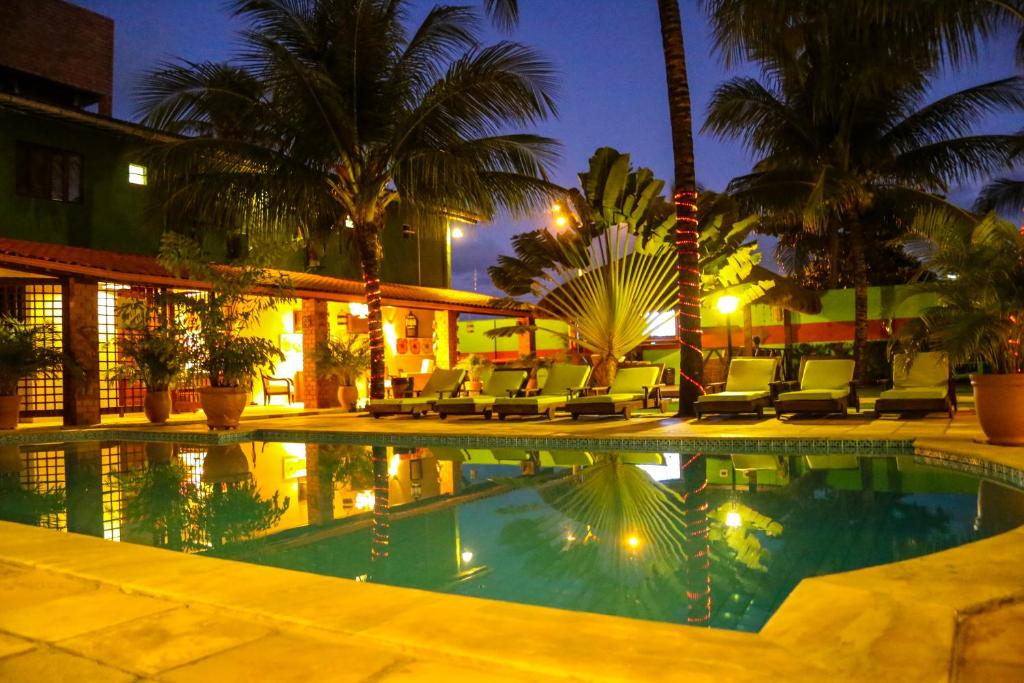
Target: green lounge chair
point(441, 383)
point(563, 382)
point(630, 389)
point(747, 388)
point(560, 458)
point(502, 382)
point(826, 386)
point(832, 462)
point(920, 384)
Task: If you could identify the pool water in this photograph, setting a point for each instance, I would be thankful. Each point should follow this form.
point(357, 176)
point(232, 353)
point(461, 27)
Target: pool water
point(718, 540)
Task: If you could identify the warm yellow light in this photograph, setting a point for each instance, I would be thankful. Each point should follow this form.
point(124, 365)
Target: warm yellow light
point(137, 174)
point(358, 310)
point(390, 337)
point(561, 221)
point(393, 464)
point(727, 304)
point(467, 556)
point(570, 537)
point(732, 519)
point(364, 500)
point(556, 207)
point(633, 542)
point(457, 233)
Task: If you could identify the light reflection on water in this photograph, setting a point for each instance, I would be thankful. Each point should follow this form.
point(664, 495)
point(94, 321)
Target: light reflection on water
point(673, 537)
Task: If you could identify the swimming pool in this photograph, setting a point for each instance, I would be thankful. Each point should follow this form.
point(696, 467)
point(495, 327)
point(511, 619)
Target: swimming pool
point(719, 539)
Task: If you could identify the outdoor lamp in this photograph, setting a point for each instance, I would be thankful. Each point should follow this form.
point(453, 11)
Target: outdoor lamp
point(726, 305)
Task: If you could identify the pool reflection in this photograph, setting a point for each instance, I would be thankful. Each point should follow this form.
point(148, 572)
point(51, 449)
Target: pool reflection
point(717, 540)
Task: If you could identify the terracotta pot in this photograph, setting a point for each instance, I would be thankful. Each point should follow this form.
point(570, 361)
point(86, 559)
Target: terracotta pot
point(348, 397)
point(999, 400)
point(157, 406)
point(9, 406)
point(474, 385)
point(223, 405)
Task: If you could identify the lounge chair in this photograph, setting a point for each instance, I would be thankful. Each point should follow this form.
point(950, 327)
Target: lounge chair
point(441, 383)
point(747, 388)
point(826, 386)
point(503, 382)
point(563, 382)
point(920, 384)
point(561, 458)
point(632, 388)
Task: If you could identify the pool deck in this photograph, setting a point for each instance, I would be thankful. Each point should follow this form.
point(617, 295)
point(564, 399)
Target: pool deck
point(80, 608)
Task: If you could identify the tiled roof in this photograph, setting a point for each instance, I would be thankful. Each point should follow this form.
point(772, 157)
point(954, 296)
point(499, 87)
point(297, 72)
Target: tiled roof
point(62, 260)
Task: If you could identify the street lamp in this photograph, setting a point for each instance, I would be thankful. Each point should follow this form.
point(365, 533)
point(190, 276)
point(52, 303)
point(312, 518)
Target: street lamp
point(727, 306)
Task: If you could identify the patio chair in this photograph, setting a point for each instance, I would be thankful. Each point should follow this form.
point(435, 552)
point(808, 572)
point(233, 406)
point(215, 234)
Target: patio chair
point(563, 458)
point(747, 388)
point(826, 387)
point(920, 384)
point(503, 382)
point(277, 386)
point(441, 383)
point(632, 388)
point(564, 381)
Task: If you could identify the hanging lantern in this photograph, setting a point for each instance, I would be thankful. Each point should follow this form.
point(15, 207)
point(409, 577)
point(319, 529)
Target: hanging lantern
point(412, 325)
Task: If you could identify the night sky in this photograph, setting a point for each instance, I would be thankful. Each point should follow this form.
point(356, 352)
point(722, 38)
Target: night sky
point(612, 93)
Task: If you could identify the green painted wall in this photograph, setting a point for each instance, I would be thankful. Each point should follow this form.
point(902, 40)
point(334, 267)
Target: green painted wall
point(110, 213)
point(473, 339)
point(117, 215)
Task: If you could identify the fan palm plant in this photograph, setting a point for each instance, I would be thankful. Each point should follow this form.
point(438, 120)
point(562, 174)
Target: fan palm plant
point(334, 113)
point(849, 147)
point(612, 270)
point(975, 270)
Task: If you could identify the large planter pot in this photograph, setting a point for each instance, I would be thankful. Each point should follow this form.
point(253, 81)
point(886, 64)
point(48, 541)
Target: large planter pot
point(999, 400)
point(157, 406)
point(348, 397)
point(225, 464)
point(9, 406)
point(223, 405)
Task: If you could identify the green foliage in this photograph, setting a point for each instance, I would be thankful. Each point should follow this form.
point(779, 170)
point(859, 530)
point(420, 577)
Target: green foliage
point(345, 359)
point(348, 465)
point(155, 355)
point(975, 271)
point(614, 265)
point(222, 352)
point(23, 503)
point(237, 512)
point(25, 350)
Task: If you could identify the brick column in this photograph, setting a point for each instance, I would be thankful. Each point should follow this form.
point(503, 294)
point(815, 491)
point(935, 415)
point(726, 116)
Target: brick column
point(84, 477)
point(82, 345)
point(453, 338)
point(319, 487)
point(317, 392)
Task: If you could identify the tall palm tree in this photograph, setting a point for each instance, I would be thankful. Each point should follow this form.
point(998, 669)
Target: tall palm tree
point(684, 196)
point(849, 146)
point(333, 114)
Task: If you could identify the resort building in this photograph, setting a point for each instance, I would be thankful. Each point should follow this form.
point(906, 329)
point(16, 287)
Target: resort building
point(79, 233)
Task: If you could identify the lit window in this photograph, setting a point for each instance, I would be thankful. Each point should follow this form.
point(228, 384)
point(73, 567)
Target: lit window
point(137, 174)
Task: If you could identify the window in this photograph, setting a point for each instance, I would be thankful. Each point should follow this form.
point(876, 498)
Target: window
point(48, 173)
point(137, 174)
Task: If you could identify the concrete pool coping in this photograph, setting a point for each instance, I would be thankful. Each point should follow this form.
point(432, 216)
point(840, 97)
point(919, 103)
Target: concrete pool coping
point(898, 621)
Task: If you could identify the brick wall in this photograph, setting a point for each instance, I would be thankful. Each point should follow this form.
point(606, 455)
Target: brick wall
point(59, 42)
point(82, 345)
point(317, 392)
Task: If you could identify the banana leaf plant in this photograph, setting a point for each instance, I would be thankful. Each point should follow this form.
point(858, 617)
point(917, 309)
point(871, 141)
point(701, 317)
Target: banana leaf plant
point(611, 271)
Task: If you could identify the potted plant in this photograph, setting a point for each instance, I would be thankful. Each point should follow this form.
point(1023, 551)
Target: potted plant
point(222, 354)
point(974, 272)
point(475, 365)
point(345, 360)
point(154, 356)
point(23, 353)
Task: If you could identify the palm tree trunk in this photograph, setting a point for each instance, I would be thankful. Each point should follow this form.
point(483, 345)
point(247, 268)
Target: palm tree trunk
point(860, 298)
point(381, 533)
point(691, 359)
point(368, 245)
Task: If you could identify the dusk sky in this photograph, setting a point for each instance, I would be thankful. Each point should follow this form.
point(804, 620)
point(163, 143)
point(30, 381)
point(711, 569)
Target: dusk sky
point(612, 93)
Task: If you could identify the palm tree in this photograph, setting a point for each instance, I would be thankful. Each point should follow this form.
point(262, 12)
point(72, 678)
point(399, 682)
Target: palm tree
point(684, 196)
point(849, 147)
point(333, 114)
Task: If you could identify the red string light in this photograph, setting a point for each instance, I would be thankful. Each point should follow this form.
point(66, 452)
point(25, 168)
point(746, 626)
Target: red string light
point(695, 505)
point(687, 240)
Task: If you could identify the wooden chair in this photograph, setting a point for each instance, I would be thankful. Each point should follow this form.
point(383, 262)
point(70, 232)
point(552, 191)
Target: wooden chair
point(277, 386)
